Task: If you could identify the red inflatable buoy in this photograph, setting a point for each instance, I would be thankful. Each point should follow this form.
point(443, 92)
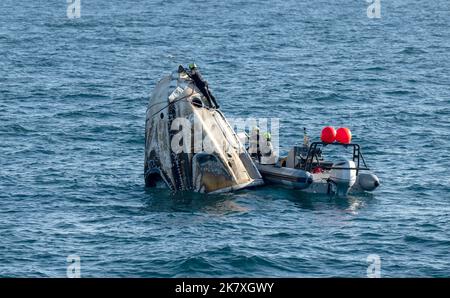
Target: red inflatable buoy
point(328, 134)
point(344, 135)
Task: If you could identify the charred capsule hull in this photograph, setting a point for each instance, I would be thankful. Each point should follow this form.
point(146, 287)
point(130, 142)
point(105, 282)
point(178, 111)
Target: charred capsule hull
point(189, 145)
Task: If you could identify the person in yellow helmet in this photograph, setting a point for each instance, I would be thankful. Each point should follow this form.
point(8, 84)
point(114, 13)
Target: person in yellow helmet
point(268, 154)
point(261, 147)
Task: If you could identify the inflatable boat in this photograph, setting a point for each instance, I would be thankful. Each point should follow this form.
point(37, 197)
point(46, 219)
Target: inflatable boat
point(305, 168)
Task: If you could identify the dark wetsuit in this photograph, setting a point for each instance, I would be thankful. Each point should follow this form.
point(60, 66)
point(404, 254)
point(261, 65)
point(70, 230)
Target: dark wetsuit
point(202, 85)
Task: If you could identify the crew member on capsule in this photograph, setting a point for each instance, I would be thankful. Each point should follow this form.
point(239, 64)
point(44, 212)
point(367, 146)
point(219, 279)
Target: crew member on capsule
point(202, 85)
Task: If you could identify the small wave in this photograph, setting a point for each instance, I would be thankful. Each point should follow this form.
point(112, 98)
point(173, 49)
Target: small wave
point(282, 235)
point(15, 128)
point(430, 242)
point(371, 235)
point(415, 239)
point(195, 265)
point(81, 95)
point(328, 97)
point(87, 114)
point(412, 51)
point(373, 68)
point(250, 262)
point(399, 92)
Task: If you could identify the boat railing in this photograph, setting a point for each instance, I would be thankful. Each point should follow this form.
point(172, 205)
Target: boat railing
point(312, 155)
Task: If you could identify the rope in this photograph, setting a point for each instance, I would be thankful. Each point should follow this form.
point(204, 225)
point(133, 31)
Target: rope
point(179, 99)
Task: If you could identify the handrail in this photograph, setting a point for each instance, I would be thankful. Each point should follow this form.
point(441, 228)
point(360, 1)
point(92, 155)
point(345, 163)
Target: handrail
point(357, 156)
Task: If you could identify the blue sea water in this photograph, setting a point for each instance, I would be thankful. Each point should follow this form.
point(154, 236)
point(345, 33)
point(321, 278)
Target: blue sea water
point(73, 95)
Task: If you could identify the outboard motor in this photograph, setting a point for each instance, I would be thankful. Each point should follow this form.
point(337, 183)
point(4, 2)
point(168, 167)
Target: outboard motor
point(342, 177)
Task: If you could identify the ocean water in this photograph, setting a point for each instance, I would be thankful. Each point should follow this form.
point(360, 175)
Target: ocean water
point(73, 95)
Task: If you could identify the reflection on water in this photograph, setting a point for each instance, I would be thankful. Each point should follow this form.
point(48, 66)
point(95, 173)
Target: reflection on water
point(162, 200)
point(351, 203)
point(311, 201)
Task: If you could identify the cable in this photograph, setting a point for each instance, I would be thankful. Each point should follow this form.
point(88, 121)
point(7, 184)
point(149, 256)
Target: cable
point(181, 98)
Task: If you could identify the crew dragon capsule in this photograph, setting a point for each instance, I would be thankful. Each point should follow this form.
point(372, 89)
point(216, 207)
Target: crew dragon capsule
point(189, 145)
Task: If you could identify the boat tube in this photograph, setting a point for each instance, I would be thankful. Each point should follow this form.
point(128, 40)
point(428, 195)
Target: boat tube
point(294, 178)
